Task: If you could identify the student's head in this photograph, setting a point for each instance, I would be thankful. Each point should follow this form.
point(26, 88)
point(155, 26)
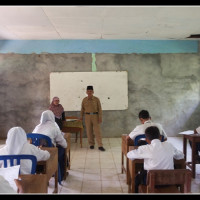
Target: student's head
point(16, 138)
point(152, 132)
point(47, 115)
point(144, 116)
point(90, 91)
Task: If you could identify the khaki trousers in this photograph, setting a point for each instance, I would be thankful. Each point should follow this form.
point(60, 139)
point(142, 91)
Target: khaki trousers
point(93, 126)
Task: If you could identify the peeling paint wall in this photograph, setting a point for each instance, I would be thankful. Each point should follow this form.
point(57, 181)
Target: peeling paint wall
point(165, 84)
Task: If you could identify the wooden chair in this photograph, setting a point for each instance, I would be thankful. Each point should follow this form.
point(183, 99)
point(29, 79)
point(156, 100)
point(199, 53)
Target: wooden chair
point(125, 149)
point(167, 181)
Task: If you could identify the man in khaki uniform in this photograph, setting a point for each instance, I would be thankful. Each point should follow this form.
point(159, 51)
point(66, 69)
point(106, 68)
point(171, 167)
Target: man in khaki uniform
point(91, 109)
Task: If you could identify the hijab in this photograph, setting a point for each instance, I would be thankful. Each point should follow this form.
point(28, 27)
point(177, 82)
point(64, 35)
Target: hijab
point(56, 109)
point(47, 120)
point(15, 141)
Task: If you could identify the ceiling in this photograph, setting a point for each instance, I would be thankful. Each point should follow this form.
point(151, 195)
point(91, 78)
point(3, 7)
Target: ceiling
point(99, 22)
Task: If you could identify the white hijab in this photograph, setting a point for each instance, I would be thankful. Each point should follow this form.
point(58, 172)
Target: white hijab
point(47, 120)
point(15, 141)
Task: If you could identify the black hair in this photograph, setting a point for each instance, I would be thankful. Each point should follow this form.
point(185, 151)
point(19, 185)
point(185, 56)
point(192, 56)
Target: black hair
point(152, 132)
point(144, 114)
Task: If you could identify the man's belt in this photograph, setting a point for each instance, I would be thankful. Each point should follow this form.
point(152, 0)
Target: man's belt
point(92, 113)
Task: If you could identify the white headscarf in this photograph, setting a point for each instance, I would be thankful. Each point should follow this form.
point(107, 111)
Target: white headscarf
point(47, 120)
point(15, 141)
point(47, 116)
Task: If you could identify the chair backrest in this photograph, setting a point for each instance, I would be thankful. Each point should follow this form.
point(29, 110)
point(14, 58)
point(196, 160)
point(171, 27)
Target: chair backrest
point(167, 177)
point(38, 139)
point(137, 138)
point(16, 159)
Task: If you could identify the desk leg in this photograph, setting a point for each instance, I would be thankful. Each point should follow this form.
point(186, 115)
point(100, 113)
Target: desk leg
point(56, 182)
point(81, 135)
point(185, 148)
point(193, 158)
point(133, 178)
point(69, 160)
point(127, 169)
point(122, 162)
point(129, 180)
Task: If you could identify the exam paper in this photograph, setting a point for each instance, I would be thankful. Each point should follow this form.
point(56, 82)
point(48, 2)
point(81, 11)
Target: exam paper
point(189, 132)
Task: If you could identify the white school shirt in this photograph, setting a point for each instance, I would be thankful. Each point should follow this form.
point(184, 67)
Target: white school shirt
point(49, 127)
point(157, 155)
point(53, 131)
point(140, 129)
point(25, 166)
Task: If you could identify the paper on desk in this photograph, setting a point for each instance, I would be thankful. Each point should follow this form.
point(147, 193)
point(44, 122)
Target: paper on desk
point(10, 173)
point(71, 120)
point(189, 132)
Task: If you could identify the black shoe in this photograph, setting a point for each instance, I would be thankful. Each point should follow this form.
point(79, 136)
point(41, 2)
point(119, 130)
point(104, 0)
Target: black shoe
point(91, 147)
point(101, 149)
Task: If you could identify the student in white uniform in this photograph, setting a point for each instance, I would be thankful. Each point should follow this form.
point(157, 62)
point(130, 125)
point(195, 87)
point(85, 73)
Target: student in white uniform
point(156, 155)
point(49, 127)
point(145, 120)
point(17, 143)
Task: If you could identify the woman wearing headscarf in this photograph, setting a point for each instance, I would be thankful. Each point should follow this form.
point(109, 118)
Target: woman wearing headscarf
point(49, 127)
point(58, 111)
point(17, 143)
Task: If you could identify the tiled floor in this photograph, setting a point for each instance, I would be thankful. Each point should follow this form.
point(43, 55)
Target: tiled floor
point(96, 172)
point(93, 171)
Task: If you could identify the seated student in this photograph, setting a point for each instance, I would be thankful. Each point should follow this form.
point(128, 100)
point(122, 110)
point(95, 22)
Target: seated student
point(17, 143)
point(156, 155)
point(145, 120)
point(49, 127)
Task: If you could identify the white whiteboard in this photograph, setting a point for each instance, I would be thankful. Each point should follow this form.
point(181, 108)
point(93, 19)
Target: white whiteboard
point(110, 87)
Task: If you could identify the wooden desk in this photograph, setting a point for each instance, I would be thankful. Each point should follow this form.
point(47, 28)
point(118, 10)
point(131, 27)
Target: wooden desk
point(51, 165)
point(137, 164)
point(124, 151)
point(67, 155)
point(134, 166)
point(194, 138)
point(73, 127)
point(32, 183)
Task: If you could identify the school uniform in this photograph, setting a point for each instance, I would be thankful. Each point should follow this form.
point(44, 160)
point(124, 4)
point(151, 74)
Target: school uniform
point(157, 155)
point(49, 127)
point(17, 144)
point(140, 129)
point(91, 109)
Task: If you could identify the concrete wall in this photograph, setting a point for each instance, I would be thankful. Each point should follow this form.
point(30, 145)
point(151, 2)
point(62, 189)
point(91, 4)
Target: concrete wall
point(165, 84)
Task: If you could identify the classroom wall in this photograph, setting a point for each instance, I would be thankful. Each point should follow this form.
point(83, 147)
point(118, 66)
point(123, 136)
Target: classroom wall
point(166, 84)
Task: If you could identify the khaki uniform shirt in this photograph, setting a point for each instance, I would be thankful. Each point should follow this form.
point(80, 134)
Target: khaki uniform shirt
point(91, 105)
